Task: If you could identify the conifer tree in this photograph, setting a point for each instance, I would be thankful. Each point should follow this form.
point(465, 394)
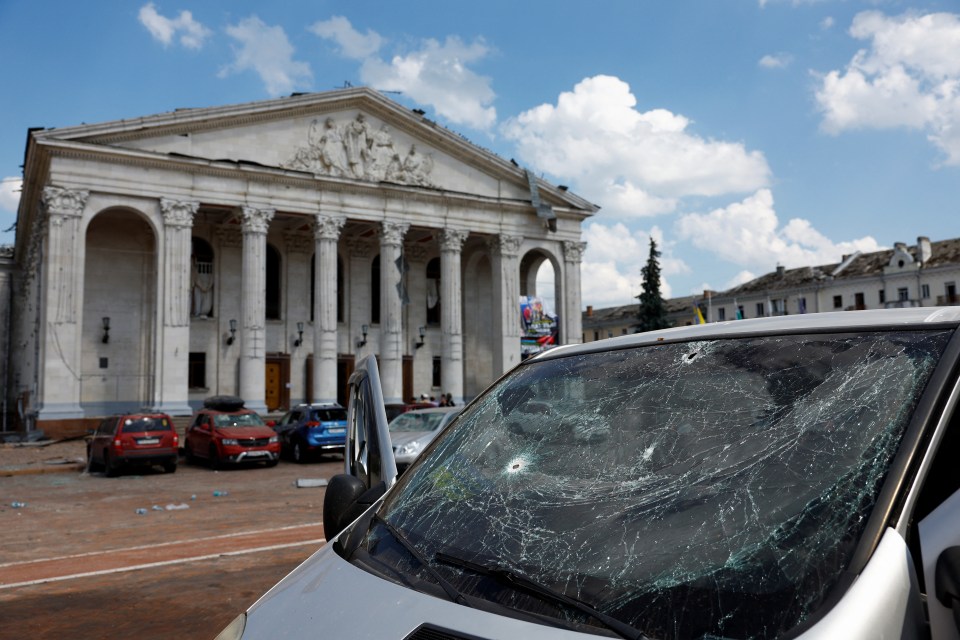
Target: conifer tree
point(653, 312)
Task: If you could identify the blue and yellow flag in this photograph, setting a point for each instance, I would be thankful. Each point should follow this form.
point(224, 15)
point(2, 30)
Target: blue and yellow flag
point(698, 315)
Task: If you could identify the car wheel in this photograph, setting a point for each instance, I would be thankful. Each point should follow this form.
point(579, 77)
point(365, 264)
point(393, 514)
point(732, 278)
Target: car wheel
point(109, 467)
point(214, 458)
point(299, 452)
point(188, 455)
point(170, 466)
point(91, 465)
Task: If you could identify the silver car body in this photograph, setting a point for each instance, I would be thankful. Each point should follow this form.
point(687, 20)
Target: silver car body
point(407, 445)
point(327, 596)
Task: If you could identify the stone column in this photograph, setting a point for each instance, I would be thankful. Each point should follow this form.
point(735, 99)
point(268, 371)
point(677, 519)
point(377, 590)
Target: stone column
point(505, 251)
point(391, 312)
point(61, 314)
point(173, 353)
point(451, 320)
point(572, 321)
point(326, 232)
point(253, 307)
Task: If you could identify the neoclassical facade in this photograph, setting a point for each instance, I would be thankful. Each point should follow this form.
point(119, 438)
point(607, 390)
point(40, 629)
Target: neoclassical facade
point(262, 249)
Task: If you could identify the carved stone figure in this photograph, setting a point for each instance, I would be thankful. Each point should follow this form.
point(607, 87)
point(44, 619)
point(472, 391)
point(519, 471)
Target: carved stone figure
point(358, 146)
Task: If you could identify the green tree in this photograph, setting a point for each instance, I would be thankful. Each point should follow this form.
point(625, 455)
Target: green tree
point(653, 311)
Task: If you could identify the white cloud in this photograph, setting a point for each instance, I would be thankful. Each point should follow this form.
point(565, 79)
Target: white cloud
point(267, 51)
point(632, 163)
point(352, 43)
point(741, 277)
point(776, 61)
point(748, 233)
point(10, 193)
point(827, 23)
point(908, 77)
point(192, 33)
point(437, 74)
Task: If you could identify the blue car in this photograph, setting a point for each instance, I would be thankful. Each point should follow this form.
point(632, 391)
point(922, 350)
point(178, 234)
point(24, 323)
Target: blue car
point(310, 430)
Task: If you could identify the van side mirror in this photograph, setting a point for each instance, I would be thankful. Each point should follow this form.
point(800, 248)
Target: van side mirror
point(345, 500)
point(948, 581)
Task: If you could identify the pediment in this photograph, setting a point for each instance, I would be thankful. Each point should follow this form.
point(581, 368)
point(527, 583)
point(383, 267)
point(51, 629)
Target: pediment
point(349, 135)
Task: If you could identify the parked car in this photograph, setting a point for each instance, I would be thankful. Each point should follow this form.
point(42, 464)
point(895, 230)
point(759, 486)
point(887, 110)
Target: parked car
point(311, 429)
point(412, 431)
point(224, 431)
point(790, 477)
point(133, 439)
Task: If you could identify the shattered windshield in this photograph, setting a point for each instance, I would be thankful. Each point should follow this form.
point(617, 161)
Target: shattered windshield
point(711, 489)
point(413, 421)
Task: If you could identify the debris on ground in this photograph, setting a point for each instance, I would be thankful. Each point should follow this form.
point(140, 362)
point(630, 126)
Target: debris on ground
point(309, 483)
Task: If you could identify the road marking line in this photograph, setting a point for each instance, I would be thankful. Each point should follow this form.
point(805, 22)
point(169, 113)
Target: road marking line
point(158, 544)
point(160, 564)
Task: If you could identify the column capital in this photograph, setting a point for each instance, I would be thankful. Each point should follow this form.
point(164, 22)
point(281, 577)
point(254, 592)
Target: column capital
point(452, 239)
point(391, 233)
point(506, 246)
point(327, 227)
point(178, 213)
point(64, 202)
point(573, 251)
point(256, 220)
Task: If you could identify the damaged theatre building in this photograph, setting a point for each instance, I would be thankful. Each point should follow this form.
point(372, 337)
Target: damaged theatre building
point(262, 249)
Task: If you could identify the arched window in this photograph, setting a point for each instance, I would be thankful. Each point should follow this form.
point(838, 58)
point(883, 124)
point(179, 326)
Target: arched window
point(433, 292)
point(201, 278)
point(313, 280)
point(273, 283)
point(375, 291)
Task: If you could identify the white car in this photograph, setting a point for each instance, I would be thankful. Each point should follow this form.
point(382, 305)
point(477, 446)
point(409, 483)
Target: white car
point(411, 432)
point(790, 477)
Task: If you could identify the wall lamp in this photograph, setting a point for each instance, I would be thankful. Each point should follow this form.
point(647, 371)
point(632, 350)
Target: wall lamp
point(361, 342)
point(299, 340)
point(423, 333)
point(233, 331)
point(106, 330)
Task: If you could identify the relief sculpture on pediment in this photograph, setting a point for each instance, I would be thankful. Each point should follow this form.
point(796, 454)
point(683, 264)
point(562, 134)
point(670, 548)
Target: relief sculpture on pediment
point(356, 150)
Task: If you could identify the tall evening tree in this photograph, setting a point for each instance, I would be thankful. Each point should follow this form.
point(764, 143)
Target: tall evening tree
point(653, 311)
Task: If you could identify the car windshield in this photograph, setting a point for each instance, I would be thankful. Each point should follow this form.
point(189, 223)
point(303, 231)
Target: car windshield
point(691, 490)
point(142, 425)
point(427, 421)
point(237, 420)
point(329, 415)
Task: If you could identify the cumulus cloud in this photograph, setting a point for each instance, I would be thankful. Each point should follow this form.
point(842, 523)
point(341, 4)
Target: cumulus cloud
point(352, 43)
point(266, 51)
point(437, 73)
point(748, 233)
point(10, 193)
point(827, 23)
point(191, 33)
point(908, 76)
point(776, 61)
point(633, 163)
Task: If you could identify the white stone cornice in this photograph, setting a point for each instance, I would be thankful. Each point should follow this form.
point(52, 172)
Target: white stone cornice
point(256, 220)
point(178, 213)
point(507, 246)
point(328, 227)
point(64, 202)
point(391, 233)
point(573, 251)
point(452, 239)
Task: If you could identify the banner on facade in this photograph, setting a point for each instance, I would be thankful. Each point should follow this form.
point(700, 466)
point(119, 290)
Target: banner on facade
point(538, 327)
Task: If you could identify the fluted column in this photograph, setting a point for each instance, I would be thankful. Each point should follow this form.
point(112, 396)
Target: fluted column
point(253, 307)
point(171, 365)
point(505, 251)
point(391, 311)
point(60, 349)
point(573, 320)
point(451, 320)
point(326, 232)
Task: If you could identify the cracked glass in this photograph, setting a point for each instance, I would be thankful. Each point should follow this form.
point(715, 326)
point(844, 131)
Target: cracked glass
point(712, 489)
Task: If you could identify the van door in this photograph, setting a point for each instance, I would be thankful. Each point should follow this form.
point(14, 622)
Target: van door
point(369, 454)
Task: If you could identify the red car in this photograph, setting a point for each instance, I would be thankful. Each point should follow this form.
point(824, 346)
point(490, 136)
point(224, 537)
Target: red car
point(133, 439)
point(226, 432)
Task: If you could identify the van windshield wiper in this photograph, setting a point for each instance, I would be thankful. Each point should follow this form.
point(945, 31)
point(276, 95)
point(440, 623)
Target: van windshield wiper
point(544, 592)
point(448, 588)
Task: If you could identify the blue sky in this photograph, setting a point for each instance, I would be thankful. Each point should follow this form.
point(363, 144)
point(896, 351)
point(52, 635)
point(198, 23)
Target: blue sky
point(740, 134)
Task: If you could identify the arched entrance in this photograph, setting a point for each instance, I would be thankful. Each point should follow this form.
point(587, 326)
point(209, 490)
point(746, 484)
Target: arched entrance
point(119, 313)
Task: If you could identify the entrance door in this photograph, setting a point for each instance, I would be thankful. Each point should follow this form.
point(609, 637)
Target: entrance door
point(273, 386)
point(276, 383)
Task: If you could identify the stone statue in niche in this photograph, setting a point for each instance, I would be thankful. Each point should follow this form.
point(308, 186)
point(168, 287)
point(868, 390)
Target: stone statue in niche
point(355, 150)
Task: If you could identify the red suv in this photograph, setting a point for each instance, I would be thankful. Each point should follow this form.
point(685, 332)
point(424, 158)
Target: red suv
point(133, 438)
point(225, 432)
